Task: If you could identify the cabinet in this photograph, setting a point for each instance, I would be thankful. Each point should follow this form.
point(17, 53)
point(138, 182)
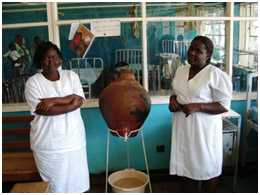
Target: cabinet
point(231, 139)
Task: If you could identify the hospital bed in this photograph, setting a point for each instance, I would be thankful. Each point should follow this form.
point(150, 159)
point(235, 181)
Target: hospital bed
point(176, 47)
point(88, 70)
point(134, 58)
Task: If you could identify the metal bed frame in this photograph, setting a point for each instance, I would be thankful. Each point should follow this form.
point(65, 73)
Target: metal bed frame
point(88, 70)
point(178, 47)
point(133, 57)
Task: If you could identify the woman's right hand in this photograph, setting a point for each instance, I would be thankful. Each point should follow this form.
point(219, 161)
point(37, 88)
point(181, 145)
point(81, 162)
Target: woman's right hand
point(174, 106)
point(45, 104)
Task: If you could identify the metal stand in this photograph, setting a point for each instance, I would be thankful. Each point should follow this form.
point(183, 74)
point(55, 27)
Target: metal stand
point(128, 159)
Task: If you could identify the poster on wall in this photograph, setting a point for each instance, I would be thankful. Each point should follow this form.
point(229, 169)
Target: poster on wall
point(81, 39)
point(106, 28)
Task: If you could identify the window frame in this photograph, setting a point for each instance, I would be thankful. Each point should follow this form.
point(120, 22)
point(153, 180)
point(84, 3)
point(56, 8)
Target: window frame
point(53, 29)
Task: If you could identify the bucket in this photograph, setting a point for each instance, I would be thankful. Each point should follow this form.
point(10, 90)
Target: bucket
point(128, 181)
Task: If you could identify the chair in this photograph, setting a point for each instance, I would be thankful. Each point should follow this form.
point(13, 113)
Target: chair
point(251, 117)
point(133, 57)
point(88, 70)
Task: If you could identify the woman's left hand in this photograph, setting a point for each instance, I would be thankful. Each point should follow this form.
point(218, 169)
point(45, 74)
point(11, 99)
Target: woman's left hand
point(190, 108)
point(77, 101)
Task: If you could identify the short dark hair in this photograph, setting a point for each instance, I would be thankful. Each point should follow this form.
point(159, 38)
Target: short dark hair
point(120, 64)
point(208, 44)
point(41, 51)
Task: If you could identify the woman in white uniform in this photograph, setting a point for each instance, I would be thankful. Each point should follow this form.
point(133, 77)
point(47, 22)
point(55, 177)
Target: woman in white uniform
point(57, 133)
point(201, 92)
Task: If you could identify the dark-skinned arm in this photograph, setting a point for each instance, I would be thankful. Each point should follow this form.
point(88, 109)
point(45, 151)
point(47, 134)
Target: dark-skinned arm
point(47, 103)
point(61, 107)
point(210, 108)
point(174, 105)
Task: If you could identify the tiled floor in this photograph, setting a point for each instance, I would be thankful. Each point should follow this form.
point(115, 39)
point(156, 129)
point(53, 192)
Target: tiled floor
point(247, 182)
point(163, 183)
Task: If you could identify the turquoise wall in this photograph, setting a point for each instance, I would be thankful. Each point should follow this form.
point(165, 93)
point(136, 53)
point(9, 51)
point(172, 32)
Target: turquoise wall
point(156, 130)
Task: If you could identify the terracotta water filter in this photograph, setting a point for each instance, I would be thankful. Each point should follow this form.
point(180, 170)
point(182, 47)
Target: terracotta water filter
point(124, 104)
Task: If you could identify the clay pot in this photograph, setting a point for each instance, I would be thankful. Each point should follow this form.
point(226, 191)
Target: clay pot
point(124, 104)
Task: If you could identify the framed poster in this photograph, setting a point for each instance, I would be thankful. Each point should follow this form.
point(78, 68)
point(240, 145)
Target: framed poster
point(81, 39)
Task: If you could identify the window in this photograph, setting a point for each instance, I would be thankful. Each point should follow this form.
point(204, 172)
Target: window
point(170, 26)
point(215, 30)
point(168, 43)
point(104, 54)
point(185, 9)
point(245, 47)
point(68, 11)
point(25, 12)
point(169, 40)
point(246, 9)
point(26, 22)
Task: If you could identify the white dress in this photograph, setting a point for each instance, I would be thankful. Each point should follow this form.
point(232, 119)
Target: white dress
point(197, 150)
point(58, 142)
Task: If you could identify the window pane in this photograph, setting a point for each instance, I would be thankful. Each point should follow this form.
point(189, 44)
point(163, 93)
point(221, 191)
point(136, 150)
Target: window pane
point(104, 52)
point(98, 10)
point(246, 9)
point(24, 12)
point(14, 78)
point(245, 52)
point(186, 9)
point(168, 43)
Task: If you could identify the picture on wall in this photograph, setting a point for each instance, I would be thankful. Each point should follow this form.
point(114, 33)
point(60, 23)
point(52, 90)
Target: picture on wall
point(81, 39)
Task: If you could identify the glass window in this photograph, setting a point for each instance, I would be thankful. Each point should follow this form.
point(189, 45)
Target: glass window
point(16, 70)
point(104, 53)
point(24, 12)
point(246, 9)
point(168, 43)
point(215, 30)
point(245, 43)
point(98, 10)
point(185, 9)
point(245, 49)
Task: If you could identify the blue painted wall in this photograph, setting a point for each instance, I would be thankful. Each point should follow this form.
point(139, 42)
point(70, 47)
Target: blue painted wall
point(156, 130)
